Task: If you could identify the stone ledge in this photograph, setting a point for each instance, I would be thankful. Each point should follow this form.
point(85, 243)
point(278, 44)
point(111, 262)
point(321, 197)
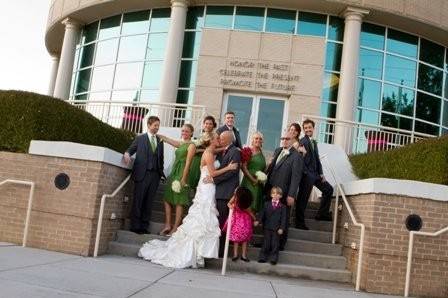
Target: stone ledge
point(409, 188)
point(77, 151)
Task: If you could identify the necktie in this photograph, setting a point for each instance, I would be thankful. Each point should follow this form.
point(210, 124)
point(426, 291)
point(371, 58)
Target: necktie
point(280, 156)
point(153, 143)
point(313, 144)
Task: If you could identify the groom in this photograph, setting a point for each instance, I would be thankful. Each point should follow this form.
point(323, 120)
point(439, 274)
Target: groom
point(227, 182)
point(146, 173)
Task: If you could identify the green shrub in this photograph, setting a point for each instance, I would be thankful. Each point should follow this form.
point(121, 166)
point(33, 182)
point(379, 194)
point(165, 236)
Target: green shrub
point(425, 161)
point(26, 116)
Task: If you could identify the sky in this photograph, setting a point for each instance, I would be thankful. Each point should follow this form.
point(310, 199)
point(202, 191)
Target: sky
point(24, 61)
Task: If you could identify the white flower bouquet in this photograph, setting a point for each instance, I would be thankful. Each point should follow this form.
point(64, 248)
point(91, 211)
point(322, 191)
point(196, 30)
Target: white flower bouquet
point(261, 176)
point(176, 186)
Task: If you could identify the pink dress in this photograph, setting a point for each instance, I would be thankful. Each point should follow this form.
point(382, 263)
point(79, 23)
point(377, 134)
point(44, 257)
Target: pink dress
point(241, 230)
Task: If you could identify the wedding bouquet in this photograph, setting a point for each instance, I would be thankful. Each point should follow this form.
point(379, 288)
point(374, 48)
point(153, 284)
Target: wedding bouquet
point(261, 176)
point(176, 186)
point(246, 154)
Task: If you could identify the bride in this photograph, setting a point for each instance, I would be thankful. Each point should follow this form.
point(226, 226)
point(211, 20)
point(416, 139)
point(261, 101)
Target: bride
point(198, 236)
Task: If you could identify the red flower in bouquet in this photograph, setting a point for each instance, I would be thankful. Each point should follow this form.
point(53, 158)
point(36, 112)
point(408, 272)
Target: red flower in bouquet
point(246, 154)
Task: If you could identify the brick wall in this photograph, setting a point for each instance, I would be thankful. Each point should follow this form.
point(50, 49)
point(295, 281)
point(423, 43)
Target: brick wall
point(61, 220)
point(386, 244)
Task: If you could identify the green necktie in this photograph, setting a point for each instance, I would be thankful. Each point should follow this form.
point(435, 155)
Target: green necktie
point(313, 145)
point(153, 144)
point(280, 156)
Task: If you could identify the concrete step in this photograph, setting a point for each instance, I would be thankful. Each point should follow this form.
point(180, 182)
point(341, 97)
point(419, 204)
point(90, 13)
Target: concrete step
point(295, 245)
point(286, 256)
point(283, 268)
point(310, 235)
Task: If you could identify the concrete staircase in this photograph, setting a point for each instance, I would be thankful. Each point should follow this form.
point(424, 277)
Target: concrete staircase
point(308, 254)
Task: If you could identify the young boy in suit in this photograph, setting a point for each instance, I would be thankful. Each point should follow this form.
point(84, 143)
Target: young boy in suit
point(273, 220)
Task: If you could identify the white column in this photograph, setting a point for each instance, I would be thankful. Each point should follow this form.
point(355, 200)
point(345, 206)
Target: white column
point(53, 74)
point(65, 70)
point(346, 104)
point(173, 52)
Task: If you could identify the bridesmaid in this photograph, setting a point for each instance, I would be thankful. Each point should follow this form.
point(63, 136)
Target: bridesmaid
point(256, 163)
point(208, 125)
point(295, 130)
point(183, 157)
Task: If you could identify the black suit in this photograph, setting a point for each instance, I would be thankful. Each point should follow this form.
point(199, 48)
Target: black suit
point(226, 185)
point(313, 172)
point(237, 141)
point(272, 219)
point(285, 174)
point(146, 173)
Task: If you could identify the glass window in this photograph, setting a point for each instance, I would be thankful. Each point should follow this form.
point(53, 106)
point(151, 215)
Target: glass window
point(149, 95)
point(279, 20)
point(370, 64)
point(396, 121)
point(152, 74)
point(400, 71)
point(368, 117)
point(156, 46)
point(330, 88)
point(82, 80)
point(328, 109)
point(106, 51)
point(128, 75)
point(431, 53)
point(446, 85)
point(273, 110)
point(188, 70)
point(129, 95)
point(333, 56)
point(219, 17)
point(430, 79)
point(135, 22)
point(185, 96)
point(249, 18)
point(89, 33)
point(160, 20)
point(428, 108)
point(402, 43)
point(110, 27)
point(398, 100)
point(426, 128)
point(87, 53)
point(132, 48)
point(445, 113)
point(372, 36)
point(102, 78)
point(195, 17)
point(192, 42)
point(311, 24)
point(81, 97)
point(336, 29)
point(99, 96)
point(369, 94)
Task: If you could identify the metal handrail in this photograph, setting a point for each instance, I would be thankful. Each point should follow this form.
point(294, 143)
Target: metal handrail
point(101, 213)
point(410, 249)
point(353, 123)
point(163, 104)
point(30, 204)
point(340, 190)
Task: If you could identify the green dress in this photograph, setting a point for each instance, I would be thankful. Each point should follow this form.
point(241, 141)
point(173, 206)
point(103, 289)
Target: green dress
point(256, 163)
point(180, 161)
point(195, 170)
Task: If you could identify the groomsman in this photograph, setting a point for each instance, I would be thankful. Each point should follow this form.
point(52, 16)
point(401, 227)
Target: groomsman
point(285, 171)
point(313, 176)
point(146, 173)
point(229, 125)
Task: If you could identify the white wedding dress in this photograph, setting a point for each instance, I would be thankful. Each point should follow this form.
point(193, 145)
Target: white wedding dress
point(197, 238)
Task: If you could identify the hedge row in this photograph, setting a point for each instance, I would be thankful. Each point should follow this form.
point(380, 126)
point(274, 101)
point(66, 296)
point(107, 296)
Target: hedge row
point(425, 161)
point(26, 116)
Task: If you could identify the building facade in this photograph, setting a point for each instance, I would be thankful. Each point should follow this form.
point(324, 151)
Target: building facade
point(370, 61)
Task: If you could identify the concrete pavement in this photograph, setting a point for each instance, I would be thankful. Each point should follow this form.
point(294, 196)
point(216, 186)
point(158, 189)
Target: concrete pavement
point(28, 272)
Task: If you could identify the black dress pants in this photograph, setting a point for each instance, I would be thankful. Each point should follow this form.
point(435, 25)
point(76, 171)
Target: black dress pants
point(144, 194)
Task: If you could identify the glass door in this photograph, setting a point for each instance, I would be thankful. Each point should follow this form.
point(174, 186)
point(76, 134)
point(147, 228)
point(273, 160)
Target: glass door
point(258, 113)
